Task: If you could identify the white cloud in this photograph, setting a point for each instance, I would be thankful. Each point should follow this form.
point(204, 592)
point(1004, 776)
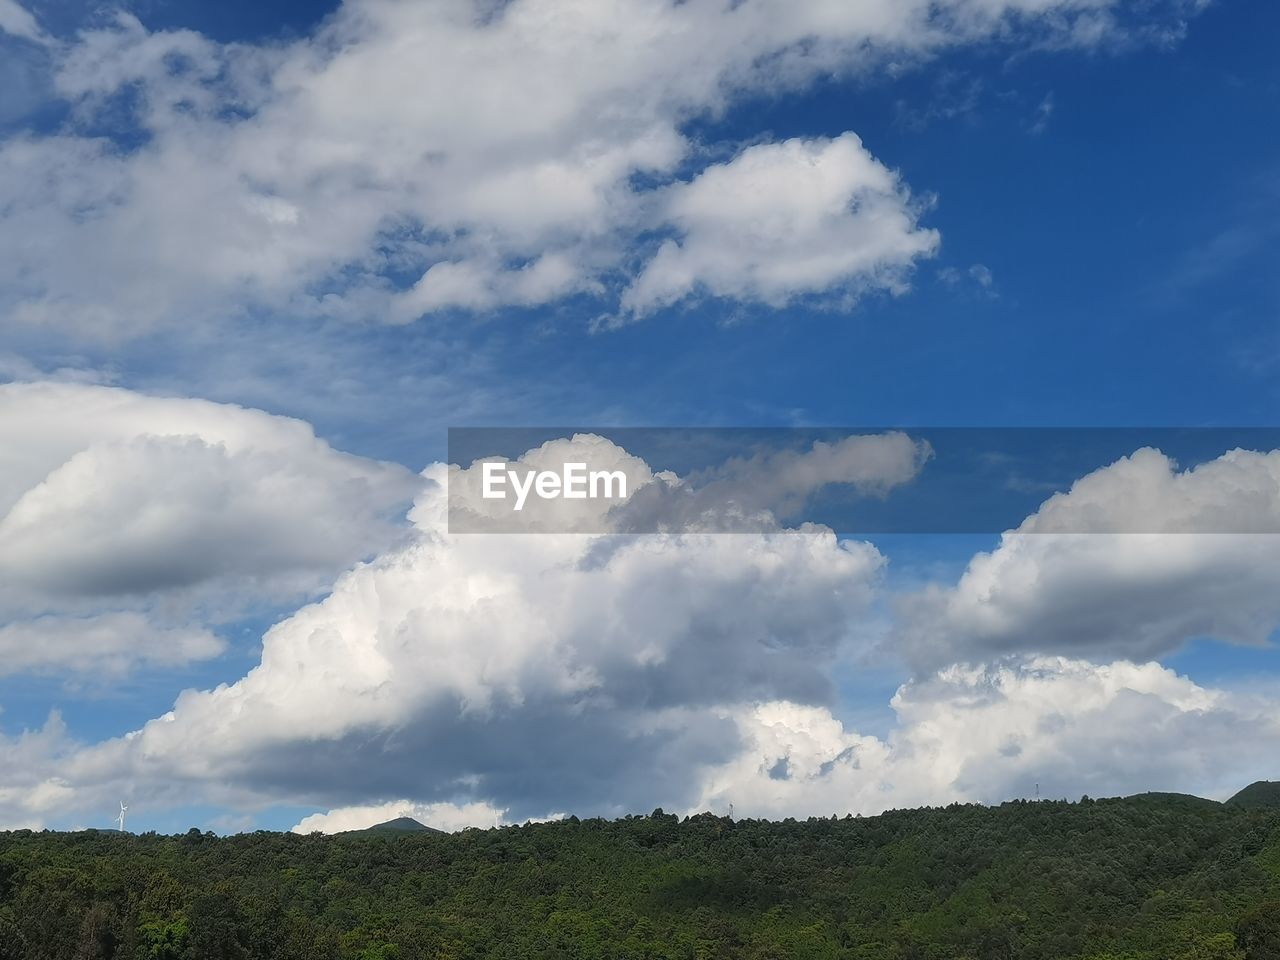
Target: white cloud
point(17, 20)
point(599, 674)
point(33, 788)
point(988, 734)
point(107, 645)
point(448, 817)
point(529, 671)
point(965, 734)
point(781, 220)
point(105, 493)
point(493, 154)
point(1175, 555)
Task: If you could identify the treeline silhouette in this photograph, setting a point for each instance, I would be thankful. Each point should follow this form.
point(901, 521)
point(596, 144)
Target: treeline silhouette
point(1157, 877)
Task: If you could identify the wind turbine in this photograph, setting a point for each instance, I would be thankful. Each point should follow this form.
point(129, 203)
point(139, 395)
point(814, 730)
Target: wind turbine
point(120, 819)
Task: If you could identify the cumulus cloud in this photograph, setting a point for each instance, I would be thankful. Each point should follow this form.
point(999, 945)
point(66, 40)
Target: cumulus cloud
point(538, 673)
point(33, 787)
point(988, 734)
point(605, 674)
point(781, 220)
point(413, 158)
point(125, 520)
point(442, 816)
point(965, 734)
point(1203, 563)
point(106, 494)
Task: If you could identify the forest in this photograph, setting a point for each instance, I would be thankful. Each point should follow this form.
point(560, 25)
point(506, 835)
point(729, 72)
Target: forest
point(1153, 877)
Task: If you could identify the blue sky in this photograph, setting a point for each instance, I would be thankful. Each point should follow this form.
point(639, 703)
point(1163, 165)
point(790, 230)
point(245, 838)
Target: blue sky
point(1104, 188)
point(1127, 243)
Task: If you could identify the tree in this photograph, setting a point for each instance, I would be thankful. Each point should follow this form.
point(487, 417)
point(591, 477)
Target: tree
point(218, 930)
point(1258, 932)
point(97, 934)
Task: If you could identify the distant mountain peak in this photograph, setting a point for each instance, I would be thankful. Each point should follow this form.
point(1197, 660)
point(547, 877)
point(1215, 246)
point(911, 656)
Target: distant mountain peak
point(1260, 795)
point(399, 825)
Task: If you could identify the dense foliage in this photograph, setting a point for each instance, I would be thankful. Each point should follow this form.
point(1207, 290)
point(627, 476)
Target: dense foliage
point(1148, 878)
point(1264, 793)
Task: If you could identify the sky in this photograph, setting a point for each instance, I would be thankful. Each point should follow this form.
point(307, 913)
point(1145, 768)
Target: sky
point(257, 259)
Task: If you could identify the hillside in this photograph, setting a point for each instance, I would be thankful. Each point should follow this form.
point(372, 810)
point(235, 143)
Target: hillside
point(399, 825)
point(1263, 795)
point(1148, 878)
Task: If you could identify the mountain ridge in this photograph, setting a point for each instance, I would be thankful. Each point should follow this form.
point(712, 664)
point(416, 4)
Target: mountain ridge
point(398, 825)
point(1259, 795)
